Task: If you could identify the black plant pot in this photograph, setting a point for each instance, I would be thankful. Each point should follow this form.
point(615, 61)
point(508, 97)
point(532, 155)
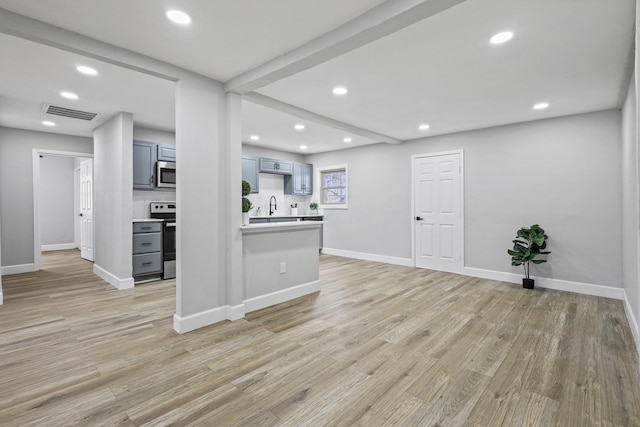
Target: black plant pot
point(527, 283)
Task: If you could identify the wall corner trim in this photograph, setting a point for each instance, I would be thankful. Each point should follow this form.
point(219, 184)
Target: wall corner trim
point(112, 279)
point(407, 262)
point(633, 322)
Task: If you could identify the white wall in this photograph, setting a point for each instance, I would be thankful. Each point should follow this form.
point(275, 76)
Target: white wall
point(16, 187)
point(562, 173)
point(56, 201)
point(113, 194)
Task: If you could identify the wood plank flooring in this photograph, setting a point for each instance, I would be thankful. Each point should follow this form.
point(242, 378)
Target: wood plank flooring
point(380, 345)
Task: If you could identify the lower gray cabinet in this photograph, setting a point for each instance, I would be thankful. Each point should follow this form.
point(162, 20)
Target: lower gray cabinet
point(147, 250)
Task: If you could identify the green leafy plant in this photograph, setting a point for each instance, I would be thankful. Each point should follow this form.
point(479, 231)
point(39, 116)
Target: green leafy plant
point(246, 203)
point(529, 243)
point(313, 206)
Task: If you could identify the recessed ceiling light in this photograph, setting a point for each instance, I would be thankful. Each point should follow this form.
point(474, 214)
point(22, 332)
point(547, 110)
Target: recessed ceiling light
point(424, 126)
point(340, 90)
point(299, 126)
point(501, 37)
point(48, 123)
point(303, 147)
point(179, 17)
point(254, 137)
point(347, 139)
point(541, 106)
point(68, 95)
point(86, 70)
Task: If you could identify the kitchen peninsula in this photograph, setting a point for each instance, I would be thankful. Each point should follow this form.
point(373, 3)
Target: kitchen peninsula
point(280, 262)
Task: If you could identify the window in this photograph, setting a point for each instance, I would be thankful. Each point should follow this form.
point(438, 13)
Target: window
point(333, 187)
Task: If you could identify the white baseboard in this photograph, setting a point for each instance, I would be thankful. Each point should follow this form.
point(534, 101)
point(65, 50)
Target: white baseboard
point(407, 262)
point(262, 301)
point(633, 322)
point(58, 247)
point(236, 312)
point(544, 282)
point(117, 282)
point(199, 320)
point(18, 269)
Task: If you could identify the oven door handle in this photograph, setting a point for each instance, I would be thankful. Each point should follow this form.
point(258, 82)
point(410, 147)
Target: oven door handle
point(170, 224)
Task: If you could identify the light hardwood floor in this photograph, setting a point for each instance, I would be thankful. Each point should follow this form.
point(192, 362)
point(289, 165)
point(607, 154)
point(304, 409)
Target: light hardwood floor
point(380, 345)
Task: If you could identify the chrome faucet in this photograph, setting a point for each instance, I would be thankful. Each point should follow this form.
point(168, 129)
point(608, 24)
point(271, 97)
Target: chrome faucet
point(272, 202)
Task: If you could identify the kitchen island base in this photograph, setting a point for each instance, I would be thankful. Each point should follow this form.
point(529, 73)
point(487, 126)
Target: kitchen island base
point(280, 262)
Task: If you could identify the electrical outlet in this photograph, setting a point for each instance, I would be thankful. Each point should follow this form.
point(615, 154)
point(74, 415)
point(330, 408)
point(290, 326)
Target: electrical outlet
point(283, 267)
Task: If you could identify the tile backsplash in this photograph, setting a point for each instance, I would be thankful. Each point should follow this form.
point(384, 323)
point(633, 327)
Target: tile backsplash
point(273, 185)
point(141, 200)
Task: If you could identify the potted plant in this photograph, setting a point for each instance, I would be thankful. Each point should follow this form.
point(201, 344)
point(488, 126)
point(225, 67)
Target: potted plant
point(528, 245)
point(246, 203)
point(313, 207)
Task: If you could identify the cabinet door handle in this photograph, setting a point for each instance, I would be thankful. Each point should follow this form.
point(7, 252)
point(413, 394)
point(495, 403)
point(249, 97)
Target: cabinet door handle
point(147, 263)
point(146, 244)
point(145, 228)
point(419, 218)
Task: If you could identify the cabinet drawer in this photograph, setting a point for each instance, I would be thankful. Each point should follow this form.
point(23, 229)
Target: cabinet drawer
point(147, 263)
point(147, 227)
point(147, 242)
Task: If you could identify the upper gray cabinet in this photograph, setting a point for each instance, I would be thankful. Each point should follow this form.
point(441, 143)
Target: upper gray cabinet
point(275, 166)
point(250, 172)
point(166, 153)
point(301, 181)
point(145, 155)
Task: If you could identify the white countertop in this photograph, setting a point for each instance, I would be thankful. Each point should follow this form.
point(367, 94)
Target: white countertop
point(148, 220)
point(285, 216)
point(280, 226)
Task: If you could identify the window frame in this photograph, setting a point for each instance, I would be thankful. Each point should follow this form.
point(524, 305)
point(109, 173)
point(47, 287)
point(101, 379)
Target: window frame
point(335, 168)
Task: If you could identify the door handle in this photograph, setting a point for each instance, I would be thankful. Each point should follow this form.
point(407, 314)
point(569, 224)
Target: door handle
point(419, 218)
point(79, 214)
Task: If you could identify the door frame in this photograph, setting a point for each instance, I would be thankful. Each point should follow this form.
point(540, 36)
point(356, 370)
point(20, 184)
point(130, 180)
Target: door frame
point(414, 157)
point(36, 153)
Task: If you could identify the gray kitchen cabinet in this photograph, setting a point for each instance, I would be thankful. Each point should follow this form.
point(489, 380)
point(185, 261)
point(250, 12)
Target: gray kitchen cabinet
point(166, 153)
point(250, 167)
point(145, 155)
point(301, 181)
point(147, 250)
point(275, 166)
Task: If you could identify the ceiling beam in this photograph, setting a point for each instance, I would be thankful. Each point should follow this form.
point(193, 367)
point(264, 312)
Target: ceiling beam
point(376, 23)
point(266, 101)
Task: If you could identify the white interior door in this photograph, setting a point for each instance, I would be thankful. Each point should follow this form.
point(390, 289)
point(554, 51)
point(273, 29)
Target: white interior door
point(86, 210)
point(437, 196)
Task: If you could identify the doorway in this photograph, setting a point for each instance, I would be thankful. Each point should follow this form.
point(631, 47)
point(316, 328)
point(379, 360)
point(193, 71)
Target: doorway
point(58, 200)
point(438, 215)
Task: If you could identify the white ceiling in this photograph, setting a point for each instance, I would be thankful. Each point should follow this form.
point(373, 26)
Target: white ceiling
point(441, 70)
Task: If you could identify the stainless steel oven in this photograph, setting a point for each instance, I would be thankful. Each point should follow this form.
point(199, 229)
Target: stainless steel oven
point(167, 212)
point(166, 173)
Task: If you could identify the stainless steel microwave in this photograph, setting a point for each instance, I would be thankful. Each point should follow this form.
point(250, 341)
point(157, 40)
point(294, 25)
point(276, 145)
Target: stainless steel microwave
point(166, 174)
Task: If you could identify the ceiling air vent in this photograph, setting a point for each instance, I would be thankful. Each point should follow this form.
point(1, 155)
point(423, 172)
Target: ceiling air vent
point(68, 112)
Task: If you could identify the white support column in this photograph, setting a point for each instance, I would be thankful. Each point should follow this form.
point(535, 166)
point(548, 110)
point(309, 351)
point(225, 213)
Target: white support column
point(200, 196)
point(233, 235)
